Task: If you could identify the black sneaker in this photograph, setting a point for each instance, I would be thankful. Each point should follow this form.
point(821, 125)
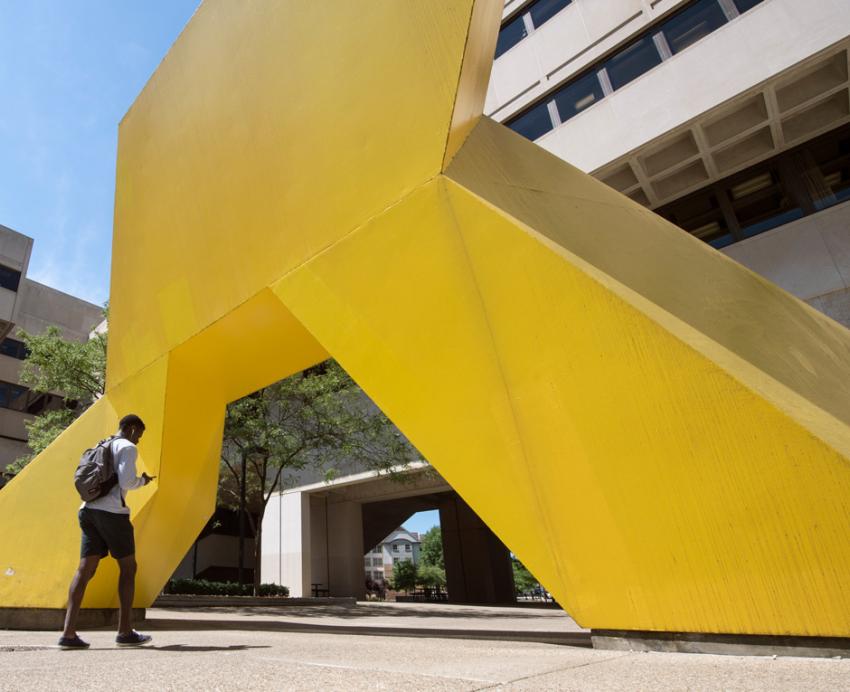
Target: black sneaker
point(132, 638)
point(72, 643)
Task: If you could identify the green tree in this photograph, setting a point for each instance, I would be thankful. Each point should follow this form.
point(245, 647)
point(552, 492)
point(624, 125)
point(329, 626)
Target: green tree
point(76, 370)
point(55, 364)
point(524, 580)
point(318, 417)
point(431, 576)
point(431, 549)
point(405, 576)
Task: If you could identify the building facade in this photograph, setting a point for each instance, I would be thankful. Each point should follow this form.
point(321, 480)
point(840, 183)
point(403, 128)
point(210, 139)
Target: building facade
point(730, 118)
point(400, 546)
point(29, 305)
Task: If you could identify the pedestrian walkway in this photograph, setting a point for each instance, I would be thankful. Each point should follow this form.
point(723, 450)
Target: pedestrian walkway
point(366, 646)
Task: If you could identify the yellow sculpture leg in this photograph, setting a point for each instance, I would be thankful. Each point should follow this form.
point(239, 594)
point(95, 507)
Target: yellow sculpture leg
point(662, 436)
point(638, 478)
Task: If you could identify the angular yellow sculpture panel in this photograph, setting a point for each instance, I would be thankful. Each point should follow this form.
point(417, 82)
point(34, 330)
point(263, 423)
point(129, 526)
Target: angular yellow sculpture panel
point(662, 436)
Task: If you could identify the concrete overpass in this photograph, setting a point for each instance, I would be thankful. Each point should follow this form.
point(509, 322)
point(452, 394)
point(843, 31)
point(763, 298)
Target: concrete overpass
point(318, 533)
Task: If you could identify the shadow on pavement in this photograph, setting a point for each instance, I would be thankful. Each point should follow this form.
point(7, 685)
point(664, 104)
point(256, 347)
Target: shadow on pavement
point(188, 649)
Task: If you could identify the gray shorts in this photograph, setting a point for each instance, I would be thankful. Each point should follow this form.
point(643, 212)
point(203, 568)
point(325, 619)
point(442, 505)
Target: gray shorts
point(106, 532)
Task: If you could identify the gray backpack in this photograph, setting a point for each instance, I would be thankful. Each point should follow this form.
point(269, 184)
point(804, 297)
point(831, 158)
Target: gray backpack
point(95, 475)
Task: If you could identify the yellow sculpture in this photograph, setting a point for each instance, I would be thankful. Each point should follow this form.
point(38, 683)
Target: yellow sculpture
point(658, 433)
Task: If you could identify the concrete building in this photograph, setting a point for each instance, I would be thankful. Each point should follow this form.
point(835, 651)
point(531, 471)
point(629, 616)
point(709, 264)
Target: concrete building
point(400, 546)
point(730, 118)
point(29, 305)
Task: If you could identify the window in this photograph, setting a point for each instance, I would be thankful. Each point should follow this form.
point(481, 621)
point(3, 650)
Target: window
point(701, 216)
point(827, 171)
point(535, 15)
point(395, 547)
point(744, 5)
point(761, 203)
point(641, 56)
point(395, 560)
point(578, 95)
point(9, 278)
point(12, 396)
point(13, 348)
point(796, 183)
point(377, 562)
point(543, 10)
point(407, 547)
point(533, 123)
point(694, 23)
point(510, 34)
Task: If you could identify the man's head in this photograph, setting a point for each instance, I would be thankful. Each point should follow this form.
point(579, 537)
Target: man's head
point(131, 427)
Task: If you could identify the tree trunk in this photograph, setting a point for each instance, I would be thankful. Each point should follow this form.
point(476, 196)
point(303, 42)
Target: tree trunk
point(258, 553)
point(242, 521)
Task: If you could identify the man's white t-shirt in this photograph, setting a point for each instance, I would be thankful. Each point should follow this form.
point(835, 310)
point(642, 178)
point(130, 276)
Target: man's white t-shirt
point(124, 455)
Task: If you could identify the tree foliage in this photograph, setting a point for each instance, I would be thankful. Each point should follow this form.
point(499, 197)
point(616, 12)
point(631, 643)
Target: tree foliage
point(76, 370)
point(524, 581)
point(405, 575)
point(431, 576)
point(42, 430)
point(431, 548)
point(54, 364)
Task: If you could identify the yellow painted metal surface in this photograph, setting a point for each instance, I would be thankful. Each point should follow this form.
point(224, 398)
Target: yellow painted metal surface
point(662, 436)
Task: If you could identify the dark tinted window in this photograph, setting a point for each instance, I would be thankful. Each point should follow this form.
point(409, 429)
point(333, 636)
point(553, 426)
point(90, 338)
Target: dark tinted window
point(510, 34)
point(827, 171)
point(760, 203)
point(702, 217)
point(13, 348)
point(696, 22)
point(575, 97)
point(534, 123)
point(12, 396)
point(632, 62)
point(9, 278)
point(543, 10)
point(744, 5)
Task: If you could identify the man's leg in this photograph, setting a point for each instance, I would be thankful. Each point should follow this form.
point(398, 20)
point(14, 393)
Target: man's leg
point(84, 573)
point(126, 590)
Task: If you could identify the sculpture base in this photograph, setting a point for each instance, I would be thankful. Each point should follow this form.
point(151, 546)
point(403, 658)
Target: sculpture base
point(54, 618)
point(728, 644)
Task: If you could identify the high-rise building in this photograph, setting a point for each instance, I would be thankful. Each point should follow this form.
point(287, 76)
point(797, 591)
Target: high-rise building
point(730, 118)
point(29, 305)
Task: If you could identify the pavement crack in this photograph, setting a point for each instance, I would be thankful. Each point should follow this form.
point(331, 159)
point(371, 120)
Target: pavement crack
point(553, 671)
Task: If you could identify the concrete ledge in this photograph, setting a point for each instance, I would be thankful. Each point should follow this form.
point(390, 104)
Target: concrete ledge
point(54, 618)
point(730, 644)
point(191, 601)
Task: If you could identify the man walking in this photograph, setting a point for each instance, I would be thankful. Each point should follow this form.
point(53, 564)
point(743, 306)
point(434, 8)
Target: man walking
point(106, 528)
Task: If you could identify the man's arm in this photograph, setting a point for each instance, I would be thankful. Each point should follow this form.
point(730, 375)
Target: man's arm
point(125, 467)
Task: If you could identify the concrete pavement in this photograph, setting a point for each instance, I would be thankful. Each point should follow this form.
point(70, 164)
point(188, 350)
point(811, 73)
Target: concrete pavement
point(365, 647)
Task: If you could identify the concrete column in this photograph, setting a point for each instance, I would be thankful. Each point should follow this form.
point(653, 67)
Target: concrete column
point(286, 543)
point(345, 549)
point(478, 568)
point(271, 563)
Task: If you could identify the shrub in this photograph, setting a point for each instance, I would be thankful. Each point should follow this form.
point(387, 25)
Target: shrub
point(202, 587)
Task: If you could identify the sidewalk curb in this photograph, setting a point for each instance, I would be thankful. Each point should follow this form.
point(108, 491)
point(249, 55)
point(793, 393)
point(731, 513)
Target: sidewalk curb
point(192, 601)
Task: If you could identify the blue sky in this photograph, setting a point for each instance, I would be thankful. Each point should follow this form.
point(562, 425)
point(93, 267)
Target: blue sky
point(422, 521)
point(69, 71)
